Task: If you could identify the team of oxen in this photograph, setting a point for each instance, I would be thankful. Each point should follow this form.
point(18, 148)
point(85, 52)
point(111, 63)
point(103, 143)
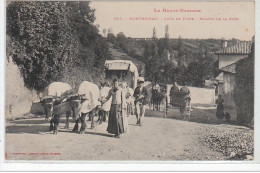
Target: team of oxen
point(88, 101)
point(58, 99)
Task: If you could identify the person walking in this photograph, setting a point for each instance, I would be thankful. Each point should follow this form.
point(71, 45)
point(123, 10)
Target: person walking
point(140, 94)
point(115, 119)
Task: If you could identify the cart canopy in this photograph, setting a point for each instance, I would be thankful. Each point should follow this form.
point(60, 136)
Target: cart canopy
point(121, 65)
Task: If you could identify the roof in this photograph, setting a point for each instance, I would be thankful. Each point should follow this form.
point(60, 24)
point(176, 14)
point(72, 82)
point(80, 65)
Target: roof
point(220, 77)
point(242, 48)
point(229, 68)
point(121, 65)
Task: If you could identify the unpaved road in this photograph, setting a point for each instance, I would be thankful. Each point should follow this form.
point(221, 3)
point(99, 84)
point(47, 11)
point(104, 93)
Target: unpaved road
point(159, 139)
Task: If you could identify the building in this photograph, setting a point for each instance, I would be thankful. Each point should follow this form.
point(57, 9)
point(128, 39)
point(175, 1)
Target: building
point(227, 58)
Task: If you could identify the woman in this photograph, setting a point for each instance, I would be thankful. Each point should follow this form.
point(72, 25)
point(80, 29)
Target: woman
point(220, 107)
point(115, 120)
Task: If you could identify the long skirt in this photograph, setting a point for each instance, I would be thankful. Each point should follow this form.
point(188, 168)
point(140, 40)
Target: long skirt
point(115, 120)
point(220, 111)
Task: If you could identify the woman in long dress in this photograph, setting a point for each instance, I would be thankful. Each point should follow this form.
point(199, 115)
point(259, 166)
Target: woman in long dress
point(220, 107)
point(115, 120)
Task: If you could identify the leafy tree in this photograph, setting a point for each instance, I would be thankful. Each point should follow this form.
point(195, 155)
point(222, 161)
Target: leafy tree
point(111, 38)
point(244, 88)
point(195, 74)
point(42, 40)
point(50, 37)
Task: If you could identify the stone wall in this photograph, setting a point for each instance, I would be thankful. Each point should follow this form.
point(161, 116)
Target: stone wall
point(18, 99)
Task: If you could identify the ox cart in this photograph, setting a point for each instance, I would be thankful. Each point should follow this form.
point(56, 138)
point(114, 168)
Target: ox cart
point(123, 70)
point(182, 100)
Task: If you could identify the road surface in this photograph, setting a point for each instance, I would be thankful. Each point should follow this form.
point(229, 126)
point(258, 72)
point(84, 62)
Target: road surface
point(159, 139)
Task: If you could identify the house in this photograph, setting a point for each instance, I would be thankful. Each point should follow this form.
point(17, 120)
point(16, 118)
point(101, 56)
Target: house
point(227, 58)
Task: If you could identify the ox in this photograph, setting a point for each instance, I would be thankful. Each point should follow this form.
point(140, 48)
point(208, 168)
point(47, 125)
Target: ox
point(54, 104)
point(83, 103)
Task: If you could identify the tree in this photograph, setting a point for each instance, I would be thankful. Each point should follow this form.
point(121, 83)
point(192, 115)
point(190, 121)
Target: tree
point(105, 32)
point(111, 38)
point(121, 41)
point(154, 33)
point(244, 88)
point(195, 74)
point(42, 40)
point(47, 36)
point(167, 32)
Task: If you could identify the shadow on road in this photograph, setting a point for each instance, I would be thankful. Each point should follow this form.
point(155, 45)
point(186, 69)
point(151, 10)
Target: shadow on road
point(197, 115)
point(33, 129)
point(100, 134)
point(38, 121)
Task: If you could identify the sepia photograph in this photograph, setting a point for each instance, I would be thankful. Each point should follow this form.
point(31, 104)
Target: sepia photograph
point(129, 81)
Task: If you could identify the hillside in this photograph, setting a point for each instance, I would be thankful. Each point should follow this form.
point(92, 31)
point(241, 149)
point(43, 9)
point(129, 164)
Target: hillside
point(190, 46)
point(117, 54)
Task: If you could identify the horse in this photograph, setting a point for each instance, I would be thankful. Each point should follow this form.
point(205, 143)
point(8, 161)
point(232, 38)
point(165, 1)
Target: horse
point(157, 98)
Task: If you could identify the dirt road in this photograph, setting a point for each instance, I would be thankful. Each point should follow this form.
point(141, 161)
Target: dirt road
point(159, 139)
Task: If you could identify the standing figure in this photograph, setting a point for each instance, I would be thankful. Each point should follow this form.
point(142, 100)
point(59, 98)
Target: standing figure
point(187, 98)
point(105, 104)
point(115, 119)
point(140, 95)
point(124, 105)
point(129, 100)
point(220, 107)
point(173, 90)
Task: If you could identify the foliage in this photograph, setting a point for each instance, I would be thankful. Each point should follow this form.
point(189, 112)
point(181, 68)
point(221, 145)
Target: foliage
point(195, 74)
point(50, 37)
point(244, 88)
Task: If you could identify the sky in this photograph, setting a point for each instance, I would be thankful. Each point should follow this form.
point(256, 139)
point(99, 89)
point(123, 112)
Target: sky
point(187, 19)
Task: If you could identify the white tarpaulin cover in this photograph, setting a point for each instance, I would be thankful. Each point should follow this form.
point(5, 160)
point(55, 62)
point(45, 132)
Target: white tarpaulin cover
point(56, 89)
point(91, 92)
point(103, 94)
point(121, 65)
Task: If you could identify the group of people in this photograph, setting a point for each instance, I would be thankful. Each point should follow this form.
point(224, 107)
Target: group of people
point(117, 120)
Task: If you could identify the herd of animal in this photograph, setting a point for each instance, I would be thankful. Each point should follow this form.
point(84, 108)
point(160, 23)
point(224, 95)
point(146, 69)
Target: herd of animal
point(58, 99)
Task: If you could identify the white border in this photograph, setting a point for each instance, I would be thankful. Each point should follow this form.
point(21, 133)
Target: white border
point(129, 165)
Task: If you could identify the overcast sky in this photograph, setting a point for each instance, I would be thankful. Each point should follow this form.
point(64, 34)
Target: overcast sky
point(242, 28)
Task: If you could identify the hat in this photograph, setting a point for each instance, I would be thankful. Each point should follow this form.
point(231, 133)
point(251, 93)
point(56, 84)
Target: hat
point(140, 80)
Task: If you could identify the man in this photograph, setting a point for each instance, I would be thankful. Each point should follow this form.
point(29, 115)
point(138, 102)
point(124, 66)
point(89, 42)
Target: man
point(173, 90)
point(140, 95)
point(175, 87)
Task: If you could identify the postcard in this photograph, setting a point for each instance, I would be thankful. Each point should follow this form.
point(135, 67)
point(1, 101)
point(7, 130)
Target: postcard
point(129, 81)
